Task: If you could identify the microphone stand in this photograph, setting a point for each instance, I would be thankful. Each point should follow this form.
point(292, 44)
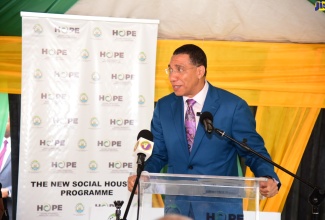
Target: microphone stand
point(315, 198)
point(118, 204)
point(140, 163)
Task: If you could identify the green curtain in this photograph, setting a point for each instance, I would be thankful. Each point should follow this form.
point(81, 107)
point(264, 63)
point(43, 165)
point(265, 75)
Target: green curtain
point(4, 112)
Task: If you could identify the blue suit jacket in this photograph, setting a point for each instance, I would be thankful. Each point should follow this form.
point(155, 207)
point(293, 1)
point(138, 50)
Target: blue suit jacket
point(211, 154)
point(6, 181)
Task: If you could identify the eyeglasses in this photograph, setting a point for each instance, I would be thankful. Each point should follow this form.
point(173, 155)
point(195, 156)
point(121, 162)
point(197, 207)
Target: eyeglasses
point(179, 69)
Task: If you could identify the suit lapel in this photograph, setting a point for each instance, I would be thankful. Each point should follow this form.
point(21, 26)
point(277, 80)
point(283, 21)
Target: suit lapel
point(7, 162)
point(178, 119)
point(211, 104)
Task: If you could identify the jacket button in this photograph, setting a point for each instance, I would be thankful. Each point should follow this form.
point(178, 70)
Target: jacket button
point(190, 167)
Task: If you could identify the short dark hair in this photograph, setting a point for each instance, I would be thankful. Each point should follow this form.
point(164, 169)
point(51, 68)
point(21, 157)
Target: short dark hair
point(196, 54)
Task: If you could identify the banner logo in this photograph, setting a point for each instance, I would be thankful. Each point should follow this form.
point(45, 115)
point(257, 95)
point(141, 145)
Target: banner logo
point(66, 74)
point(120, 166)
point(62, 164)
point(65, 121)
point(141, 100)
point(94, 122)
point(38, 29)
point(124, 33)
point(95, 76)
point(111, 54)
point(142, 57)
point(79, 208)
point(67, 30)
point(35, 165)
point(93, 165)
point(83, 98)
point(37, 120)
point(111, 99)
point(52, 143)
point(122, 122)
point(82, 144)
point(38, 74)
point(48, 208)
point(97, 32)
point(84, 54)
point(53, 52)
point(122, 77)
point(54, 96)
point(109, 145)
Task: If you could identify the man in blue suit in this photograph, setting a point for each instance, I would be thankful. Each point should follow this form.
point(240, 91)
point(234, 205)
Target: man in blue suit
point(210, 154)
point(5, 173)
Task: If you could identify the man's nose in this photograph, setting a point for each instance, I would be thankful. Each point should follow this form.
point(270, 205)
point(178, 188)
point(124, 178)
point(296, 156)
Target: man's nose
point(173, 76)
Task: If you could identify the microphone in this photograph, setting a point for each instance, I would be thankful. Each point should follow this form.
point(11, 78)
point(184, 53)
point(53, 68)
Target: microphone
point(206, 119)
point(143, 148)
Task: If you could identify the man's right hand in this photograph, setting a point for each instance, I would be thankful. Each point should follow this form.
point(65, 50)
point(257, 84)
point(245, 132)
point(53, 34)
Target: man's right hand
point(131, 182)
point(5, 192)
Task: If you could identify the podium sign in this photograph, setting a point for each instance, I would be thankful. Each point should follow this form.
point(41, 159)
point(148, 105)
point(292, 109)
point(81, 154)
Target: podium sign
point(197, 196)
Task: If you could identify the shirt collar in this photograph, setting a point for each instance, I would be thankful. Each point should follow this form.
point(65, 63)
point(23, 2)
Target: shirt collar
point(200, 97)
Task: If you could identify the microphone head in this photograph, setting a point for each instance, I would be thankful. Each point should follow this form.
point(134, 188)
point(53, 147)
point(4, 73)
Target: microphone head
point(146, 134)
point(206, 115)
point(144, 145)
point(206, 119)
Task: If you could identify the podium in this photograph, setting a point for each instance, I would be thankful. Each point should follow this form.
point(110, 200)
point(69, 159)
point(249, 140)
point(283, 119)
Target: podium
point(198, 196)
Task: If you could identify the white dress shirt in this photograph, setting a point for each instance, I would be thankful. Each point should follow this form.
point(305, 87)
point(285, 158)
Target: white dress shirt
point(199, 98)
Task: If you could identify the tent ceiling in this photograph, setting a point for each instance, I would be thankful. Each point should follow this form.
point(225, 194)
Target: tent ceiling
point(250, 20)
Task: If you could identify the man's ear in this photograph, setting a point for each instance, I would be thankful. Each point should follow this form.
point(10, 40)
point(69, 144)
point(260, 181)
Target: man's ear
point(201, 71)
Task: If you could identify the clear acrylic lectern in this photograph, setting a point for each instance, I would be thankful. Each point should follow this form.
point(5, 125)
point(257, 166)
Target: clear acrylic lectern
point(198, 196)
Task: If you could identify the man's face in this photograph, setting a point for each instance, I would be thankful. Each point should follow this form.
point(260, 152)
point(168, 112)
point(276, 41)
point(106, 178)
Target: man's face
point(185, 78)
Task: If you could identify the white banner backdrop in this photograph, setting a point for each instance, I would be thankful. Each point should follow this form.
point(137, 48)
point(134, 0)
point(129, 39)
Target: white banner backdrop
point(87, 91)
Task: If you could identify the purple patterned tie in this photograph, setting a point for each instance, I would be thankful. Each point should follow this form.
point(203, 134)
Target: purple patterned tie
point(2, 154)
point(190, 124)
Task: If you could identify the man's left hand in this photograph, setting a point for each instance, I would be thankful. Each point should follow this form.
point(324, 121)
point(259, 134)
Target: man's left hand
point(269, 188)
